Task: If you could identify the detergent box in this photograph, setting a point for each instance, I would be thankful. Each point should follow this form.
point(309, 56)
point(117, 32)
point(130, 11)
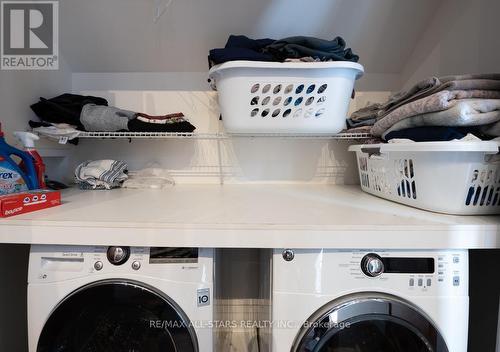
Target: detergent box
point(25, 202)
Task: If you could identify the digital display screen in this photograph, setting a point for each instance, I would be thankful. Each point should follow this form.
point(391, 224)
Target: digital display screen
point(162, 255)
point(409, 265)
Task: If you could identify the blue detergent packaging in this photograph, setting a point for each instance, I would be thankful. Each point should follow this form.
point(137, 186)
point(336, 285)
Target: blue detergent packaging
point(12, 178)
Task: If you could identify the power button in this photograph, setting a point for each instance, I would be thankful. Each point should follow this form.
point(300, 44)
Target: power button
point(98, 265)
point(136, 265)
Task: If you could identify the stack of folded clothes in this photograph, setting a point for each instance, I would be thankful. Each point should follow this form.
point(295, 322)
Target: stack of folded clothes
point(436, 109)
point(101, 174)
point(68, 114)
point(300, 49)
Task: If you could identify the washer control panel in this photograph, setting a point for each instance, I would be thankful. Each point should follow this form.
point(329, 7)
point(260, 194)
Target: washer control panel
point(116, 258)
point(57, 263)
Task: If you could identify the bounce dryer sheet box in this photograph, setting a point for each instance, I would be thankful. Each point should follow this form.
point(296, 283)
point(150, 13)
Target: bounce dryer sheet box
point(25, 202)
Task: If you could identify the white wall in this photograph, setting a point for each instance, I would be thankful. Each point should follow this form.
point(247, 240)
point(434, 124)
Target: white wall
point(126, 49)
point(462, 38)
point(20, 89)
point(120, 35)
point(197, 81)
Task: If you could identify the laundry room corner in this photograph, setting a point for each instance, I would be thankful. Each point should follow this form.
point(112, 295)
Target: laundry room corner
point(249, 176)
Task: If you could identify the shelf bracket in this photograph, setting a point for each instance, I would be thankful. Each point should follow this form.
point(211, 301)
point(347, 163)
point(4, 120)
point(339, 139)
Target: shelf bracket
point(219, 161)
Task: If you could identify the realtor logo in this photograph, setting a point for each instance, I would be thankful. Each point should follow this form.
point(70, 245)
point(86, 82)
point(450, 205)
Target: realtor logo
point(30, 35)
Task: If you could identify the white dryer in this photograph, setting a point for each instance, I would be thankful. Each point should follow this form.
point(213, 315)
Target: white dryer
point(361, 301)
point(106, 299)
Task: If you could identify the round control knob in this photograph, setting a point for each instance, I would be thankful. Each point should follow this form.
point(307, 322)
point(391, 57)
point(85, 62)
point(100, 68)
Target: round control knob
point(288, 255)
point(118, 255)
point(98, 265)
point(372, 265)
point(136, 265)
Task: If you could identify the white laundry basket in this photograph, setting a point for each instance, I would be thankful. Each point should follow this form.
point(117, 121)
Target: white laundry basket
point(273, 97)
point(461, 178)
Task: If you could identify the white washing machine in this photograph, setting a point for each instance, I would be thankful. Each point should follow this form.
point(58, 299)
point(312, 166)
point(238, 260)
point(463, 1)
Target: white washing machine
point(106, 299)
point(360, 301)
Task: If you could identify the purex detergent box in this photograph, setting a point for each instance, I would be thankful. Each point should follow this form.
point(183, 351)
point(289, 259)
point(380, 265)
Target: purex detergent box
point(12, 177)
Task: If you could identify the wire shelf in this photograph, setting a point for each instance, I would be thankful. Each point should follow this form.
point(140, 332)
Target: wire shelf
point(217, 136)
point(203, 136)
point(151, 135)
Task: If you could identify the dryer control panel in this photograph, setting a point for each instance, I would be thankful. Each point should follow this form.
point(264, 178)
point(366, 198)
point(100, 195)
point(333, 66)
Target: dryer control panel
point(374, 265)
point(325, 271)
point(417, 272)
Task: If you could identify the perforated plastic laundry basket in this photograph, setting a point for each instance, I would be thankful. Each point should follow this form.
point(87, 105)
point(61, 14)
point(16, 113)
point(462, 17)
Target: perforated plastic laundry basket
point(271, 97)
point(460, 178)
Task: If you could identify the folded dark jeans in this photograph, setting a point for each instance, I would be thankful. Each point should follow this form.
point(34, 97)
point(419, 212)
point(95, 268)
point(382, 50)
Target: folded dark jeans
point(219, 56)
point(434, 133)
point(137, 125)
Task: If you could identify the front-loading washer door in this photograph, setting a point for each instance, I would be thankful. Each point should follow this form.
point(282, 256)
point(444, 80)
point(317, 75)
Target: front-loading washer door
point(117, 316)
point(369, 323)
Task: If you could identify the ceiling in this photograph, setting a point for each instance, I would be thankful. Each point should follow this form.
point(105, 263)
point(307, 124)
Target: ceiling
point(121, 35)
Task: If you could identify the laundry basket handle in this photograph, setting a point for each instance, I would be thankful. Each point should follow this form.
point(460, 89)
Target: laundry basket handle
point(371, 150)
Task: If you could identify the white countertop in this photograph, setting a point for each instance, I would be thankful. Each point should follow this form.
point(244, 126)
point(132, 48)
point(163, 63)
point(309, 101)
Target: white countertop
point(247, 216)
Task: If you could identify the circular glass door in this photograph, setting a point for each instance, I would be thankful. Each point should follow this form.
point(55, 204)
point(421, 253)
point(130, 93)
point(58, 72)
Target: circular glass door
point(117, 316)
point(369, 324)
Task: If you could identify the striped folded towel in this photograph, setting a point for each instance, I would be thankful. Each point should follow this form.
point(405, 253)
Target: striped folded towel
point(101, 174)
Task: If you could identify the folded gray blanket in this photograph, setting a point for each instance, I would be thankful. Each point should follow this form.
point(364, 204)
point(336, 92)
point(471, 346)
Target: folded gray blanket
point(367, 113)
point(429, 86)
point(360, 129)
point(352, 123)
point(467, 112)
point(105, 118)
point(419, 90)
point(437, 102)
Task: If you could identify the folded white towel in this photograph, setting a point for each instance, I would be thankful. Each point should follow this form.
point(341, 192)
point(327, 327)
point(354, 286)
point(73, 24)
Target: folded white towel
point(58, 132)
